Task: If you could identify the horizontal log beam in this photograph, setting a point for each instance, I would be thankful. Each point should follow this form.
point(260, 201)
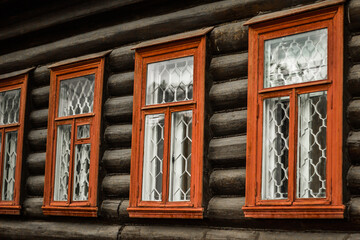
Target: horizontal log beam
point(228, 123)
point(228, 95)
point(119, 109)
point(118, 135)
point(353, 144)
point(230, 151)
point(353, 114)
point(353, 179)
point(37, 139)
point(110, 208)
point(354, 14)
point(40, 96)
point(229, 66)
point(228, 182)
point(117, 161)
point(229, 208)
point(35, 185)
point(35, 163)
point(354, 48)
point(354, 209)
point(123, 213)
point(353, 80)
point(41, 76)
point(39, 118)
point(122, 59)
point(121, 84)
point(116, 185)
point(32, 207)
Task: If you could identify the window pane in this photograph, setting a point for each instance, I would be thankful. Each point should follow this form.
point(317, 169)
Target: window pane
point(62, 162)
point(153, 157)
point(9, 106)
point(81, 172)
point(180, 164)
point(275, 148)
point(83, 131)
point(170, 81)
point(76, 95)
point(296, 59)
point(9, 166)
point(311, 167)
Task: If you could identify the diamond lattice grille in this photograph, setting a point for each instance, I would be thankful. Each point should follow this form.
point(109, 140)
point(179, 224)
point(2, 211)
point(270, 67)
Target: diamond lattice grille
point(296, 58)
point(9, 106)
point(9, 166)
point(83, 131)
point(275, 148)
point(311, 167)
point(81, 172)
point(170, 81)
point(76, 95)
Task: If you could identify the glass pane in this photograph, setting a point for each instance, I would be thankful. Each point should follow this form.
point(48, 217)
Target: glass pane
point(9, 106)
point(311, 166)
point(83, 131)
point(275, 148)
point(153, 157)
point(170, 81)
point(296, 58)
point(62, 162)
point(76, 95)
point(81, 172)
point(9, 166)
point(180, 152)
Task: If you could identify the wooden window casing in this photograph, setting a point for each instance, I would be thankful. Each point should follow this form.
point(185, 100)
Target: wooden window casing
point(165, 208)
point(70, 207)
point(12, 83)
point(331, 206)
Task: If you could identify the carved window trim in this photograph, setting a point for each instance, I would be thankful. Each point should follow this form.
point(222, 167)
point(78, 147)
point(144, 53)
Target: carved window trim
point(84, 208)
point(327, 14)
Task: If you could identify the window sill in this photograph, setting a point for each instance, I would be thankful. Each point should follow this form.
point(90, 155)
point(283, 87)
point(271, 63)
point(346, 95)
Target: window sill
point(70, 211)
point(295, 212)
point(10, 210)
point(154, 212)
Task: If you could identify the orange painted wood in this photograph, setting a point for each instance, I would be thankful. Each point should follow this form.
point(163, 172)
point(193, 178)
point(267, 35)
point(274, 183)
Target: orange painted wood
point(331, 206)
point(59, 73)
point(165, 209)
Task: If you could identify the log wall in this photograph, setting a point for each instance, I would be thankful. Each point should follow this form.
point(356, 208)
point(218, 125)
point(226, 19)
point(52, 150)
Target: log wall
point(226, 150)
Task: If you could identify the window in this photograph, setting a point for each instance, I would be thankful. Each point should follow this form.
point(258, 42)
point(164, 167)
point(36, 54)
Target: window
point(294, 142)
point(73, 139)
point(12, 115)
point(168, 123)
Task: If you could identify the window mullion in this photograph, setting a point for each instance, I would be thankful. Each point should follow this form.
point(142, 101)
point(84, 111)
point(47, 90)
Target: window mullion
point(71, 162)
point(292, 145)
point(2, 146)
point(166, 161)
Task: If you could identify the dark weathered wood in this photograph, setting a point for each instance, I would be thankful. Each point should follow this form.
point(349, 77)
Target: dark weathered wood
point(118, 135)
point(354, 14)
point(228, 182)
point(229, 66)
point(353, 179)
point(353, 80)
point(269, 235)
point(41, 76)
point(110, 208)
point(228, 208)
point(17, 229)
point(117, 161)
point(230, 151)
point(353, 144)
point(228, 95)
point(32, 207)
point(37, 139)
point(35, 163)
point(116, 185)
point(122, 59)
point(232, 234)
point(35, 185)
point(229, 38)
point(119, 109)
point(354, 209)
point(353, 114)
point(40, 96)
point(121, 84)
point(354, 48)
point(39, 118)
point(123, 213)
point(228, 123)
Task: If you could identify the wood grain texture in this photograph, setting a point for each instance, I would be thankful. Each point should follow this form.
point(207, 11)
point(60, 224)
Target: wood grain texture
point(40, 96)
point(117, 160)
point(118, 135)
point(41, 76)
point(353, 80)
point(226, 208)
point(37, 139)
point(353, 113)
point(39, 118)
point(228, 182)
point(229, 66)
point(228, 123)
point(121, 84)
point(116, 185)
point(32, 207)
point(119, 109)
point(35, 185)
point(227, 95)
point(110, 208)
point(354, 48)
point(35, 163)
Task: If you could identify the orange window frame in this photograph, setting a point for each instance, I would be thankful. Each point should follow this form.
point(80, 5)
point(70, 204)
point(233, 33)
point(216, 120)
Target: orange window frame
point(13, 207)
point(166, 209)
point(87, 208)
point(331, 206)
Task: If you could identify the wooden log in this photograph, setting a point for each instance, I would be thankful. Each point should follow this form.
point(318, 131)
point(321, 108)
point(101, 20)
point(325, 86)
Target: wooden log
point(32, 207)
point(110, 208)
point(116, 185)
point(35, 185)
point(40, 96)
point(354, 48)
point(119, 109)
point(117, 161)
point(229, 66)
point(123, 213)
point(354, 209)
point(229, 38)
point(35, 163)
point(122, 59)
point(353, 144)
point(37, 139)
point(232, 234)
point(39, 118)
point(228, 123)
point(227, 95)
point(354, 14)
point(353, 113)
point(353, 80)
point(228, 182)
point(121, 84)
point(52, 229)
point(230, 151)
point(229, 208)
point(41, 76)
point(118, 135)
point(353, 179)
